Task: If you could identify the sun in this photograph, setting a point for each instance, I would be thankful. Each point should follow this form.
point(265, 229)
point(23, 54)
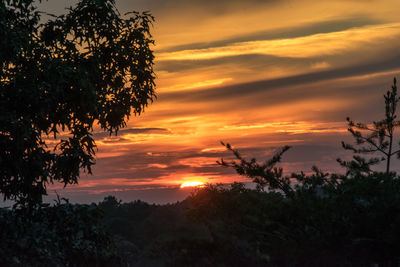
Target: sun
point(192, 184)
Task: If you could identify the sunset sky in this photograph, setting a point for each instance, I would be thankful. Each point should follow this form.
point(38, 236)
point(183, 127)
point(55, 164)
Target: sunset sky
point(258, 74)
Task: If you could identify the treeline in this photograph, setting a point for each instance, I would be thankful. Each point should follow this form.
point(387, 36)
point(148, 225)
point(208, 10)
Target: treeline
point(354, 222)
point(327, 221)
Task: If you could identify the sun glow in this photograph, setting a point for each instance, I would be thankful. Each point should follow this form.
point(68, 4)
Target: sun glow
point(192, 184)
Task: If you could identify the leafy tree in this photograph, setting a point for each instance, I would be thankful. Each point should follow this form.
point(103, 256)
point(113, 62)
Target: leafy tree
point(377, 137)
point(57, 80)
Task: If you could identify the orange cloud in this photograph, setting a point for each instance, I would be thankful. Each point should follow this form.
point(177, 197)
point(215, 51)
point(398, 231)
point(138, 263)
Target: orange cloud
point(300, 47)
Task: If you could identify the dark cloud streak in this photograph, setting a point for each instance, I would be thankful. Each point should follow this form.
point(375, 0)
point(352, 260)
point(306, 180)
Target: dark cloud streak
point(246, 89)
point(122, 132)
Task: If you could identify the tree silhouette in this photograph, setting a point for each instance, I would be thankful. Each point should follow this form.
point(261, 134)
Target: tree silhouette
point(59, 79)
point(375, 138)
point(264, 174)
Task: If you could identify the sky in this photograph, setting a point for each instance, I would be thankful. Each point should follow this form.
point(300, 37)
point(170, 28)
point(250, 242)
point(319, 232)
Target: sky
point(258, 74)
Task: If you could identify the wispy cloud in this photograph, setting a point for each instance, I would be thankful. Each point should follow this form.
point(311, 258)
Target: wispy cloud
point(301, 47)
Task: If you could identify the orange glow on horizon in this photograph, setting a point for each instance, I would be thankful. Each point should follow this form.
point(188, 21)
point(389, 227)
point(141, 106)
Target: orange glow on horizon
point(192, 184)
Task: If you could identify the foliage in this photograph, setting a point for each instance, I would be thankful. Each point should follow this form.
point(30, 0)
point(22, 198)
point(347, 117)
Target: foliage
point(378, 137)
point(59, 235)
point(58, 79)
